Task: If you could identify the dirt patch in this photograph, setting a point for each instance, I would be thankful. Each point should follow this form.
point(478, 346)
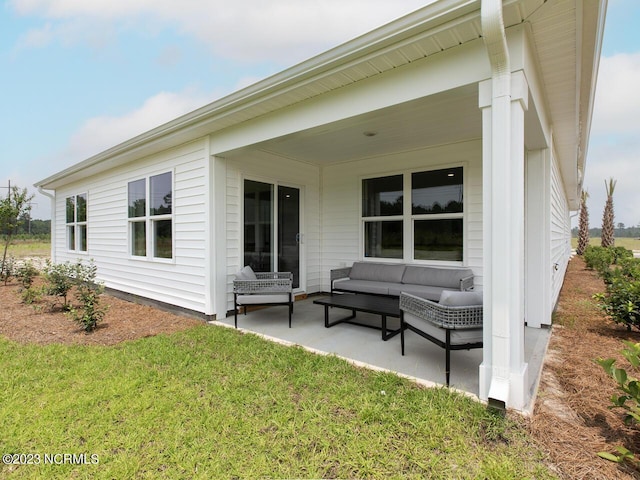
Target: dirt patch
point(572, 420)
point(123, 321)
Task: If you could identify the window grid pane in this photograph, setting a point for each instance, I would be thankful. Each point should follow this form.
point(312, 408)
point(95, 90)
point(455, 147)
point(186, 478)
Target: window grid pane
point(71, 209)
point(82, 238)
point(440, 239)
point(138, 239)
point(161, 194)
point(438, 191)
point(71, 237)
point(383, 239)
point(382, 196)
point(81, 208)
point(137, 198)
point(162, 239)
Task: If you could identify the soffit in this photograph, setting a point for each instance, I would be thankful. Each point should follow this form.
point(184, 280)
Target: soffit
point(447, 117)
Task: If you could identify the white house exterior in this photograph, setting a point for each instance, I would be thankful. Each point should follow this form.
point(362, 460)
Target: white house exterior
point(496, 92)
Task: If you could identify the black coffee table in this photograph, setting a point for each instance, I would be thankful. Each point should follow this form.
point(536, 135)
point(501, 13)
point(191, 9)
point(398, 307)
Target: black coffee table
point(377, 305)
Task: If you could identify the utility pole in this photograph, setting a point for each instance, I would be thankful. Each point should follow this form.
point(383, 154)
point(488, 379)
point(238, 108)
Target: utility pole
point(8, 190)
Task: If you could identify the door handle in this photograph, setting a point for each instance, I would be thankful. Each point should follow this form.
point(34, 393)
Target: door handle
point(299, 238)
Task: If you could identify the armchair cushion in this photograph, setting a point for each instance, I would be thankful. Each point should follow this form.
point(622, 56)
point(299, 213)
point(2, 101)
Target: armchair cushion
point(262, 299)
point(450, 298)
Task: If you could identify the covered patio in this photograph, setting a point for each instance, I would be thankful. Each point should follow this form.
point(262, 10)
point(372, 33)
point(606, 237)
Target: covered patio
point(423, 361)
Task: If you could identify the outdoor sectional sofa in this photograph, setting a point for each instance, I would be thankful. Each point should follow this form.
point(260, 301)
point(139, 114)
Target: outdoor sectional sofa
point(391, 279)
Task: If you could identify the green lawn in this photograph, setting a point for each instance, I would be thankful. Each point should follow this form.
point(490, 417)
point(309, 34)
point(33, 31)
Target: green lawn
point(626, 242)
point(213, 403)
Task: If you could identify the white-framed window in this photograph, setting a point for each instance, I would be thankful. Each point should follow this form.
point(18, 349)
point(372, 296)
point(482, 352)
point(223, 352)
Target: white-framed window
point(430, 228)
point(150, 214)
point(76, 221)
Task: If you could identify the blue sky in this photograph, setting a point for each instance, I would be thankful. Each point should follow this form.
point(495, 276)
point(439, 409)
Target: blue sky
point(79, 76)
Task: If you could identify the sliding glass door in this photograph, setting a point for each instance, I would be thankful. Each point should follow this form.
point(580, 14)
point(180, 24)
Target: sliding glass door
point(272, 228)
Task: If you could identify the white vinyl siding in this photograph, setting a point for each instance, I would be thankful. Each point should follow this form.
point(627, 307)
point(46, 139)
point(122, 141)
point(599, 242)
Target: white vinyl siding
point(560, 231)
point(341, 201)
point(181, 282)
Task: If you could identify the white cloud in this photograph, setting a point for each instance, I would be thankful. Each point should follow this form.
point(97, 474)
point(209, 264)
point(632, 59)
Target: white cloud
point(617, 103)
point(615, 140)
point(284, 31)
point(99, 133)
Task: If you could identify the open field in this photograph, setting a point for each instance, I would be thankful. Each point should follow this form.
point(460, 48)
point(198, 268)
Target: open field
point(626, 242)
point(29, 248)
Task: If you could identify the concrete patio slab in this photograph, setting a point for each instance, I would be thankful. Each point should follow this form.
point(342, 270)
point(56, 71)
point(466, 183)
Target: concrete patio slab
point(423, 360)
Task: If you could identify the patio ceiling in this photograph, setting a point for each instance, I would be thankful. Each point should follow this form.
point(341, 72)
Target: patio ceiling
point(447, 117)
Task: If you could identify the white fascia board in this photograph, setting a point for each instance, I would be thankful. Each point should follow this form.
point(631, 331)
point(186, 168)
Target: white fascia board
point(429, 17)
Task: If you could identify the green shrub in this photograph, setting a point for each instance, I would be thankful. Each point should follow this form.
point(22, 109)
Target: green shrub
point(7, 269)
point(59, 280)
point(629, 400)
point(25, 274)
point(630, 268)
point(622, 301)
point(621, 274)
point(598, 258)
point(88, 292)
point(31, 295)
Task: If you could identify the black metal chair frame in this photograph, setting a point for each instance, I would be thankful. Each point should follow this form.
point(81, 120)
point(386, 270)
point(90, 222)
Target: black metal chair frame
point(446, 317)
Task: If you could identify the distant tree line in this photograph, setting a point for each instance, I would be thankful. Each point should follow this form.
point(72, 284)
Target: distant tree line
point(620, 231)
point(34, 227)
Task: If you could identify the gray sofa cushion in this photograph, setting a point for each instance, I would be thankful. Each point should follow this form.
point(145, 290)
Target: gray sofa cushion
point(422, 291)
point(433, 276)
point(363, 286)
point(377, 272)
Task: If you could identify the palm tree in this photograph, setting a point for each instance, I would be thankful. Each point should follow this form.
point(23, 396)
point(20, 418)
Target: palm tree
point(583, 229)
point(607, 239)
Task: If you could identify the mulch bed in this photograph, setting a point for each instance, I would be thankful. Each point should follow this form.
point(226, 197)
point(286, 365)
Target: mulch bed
point(123, 321)
point(572, 420)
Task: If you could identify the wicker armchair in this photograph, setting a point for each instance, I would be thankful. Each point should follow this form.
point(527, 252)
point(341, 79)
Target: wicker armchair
point(268, 288)
point(449, 327)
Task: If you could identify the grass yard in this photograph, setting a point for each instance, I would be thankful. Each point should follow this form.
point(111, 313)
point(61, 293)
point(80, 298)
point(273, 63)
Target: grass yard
point(210, 402)
point(28, 248)
point(626, 242)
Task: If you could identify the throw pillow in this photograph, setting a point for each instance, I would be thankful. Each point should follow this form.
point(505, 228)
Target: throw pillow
point(246, 273)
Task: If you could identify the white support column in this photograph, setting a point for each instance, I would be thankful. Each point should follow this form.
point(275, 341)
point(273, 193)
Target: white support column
point(538, 238)
point(219, 234)
point(519, 392)
point(503, 373)
point(485, 371)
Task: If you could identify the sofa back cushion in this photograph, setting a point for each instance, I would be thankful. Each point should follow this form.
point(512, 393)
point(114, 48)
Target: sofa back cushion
point(435, 276)
point(378, 272)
